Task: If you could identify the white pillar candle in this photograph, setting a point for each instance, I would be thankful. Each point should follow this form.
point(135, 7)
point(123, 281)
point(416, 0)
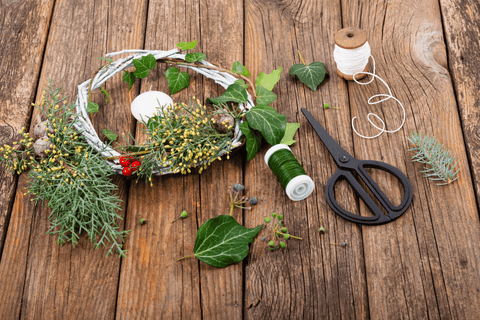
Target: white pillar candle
point(149, 103)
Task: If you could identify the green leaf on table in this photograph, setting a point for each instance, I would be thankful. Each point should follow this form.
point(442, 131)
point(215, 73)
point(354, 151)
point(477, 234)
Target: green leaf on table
point(268, 80)
point(311, 75)
point(129, 78)
point(265, 96)
point(110, 134)
point(269, 122)
point(197, 56)
point(253, 140)
point(240, 69)
point(222, 241)
point(187, 45)
point(144, 65)
point(92, 107)
point(105, 92)
point(241, 83)
point(235, 93)
point(289, 133)
point(176, 80)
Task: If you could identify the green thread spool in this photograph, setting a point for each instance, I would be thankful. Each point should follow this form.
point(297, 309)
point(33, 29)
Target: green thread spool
point(297, 184)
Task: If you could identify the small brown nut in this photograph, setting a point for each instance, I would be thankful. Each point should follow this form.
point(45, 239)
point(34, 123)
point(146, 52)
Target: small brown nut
point(223, 121)
point(41, 145)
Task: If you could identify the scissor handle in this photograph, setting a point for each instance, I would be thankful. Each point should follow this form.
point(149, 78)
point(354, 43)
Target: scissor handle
point(379, 217)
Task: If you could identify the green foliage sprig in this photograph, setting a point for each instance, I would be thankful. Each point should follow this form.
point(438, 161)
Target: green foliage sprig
point(184, 137)
point(440, 164)
point(70, 176)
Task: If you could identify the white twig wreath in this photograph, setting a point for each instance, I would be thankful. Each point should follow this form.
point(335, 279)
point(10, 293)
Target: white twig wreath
point(85, 126)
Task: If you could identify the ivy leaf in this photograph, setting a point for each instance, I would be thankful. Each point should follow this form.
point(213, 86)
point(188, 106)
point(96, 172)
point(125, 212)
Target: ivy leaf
point(222, 241)
point(240, 69)
point(176, 80)
point(144, 65)
point(92, 107)
point(234, 92)
point(268, 80)
point(311, 75)
point(253, 140)
point(187, 45)
point(129, 78)
point(289, 133)
point(241, 83)
point(110, 134)
point(197, 56)
point(269, 122)
point(105, 92)
point(265, 96)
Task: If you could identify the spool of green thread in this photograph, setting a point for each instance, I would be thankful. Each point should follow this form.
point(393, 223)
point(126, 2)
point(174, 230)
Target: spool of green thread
point(297, 184)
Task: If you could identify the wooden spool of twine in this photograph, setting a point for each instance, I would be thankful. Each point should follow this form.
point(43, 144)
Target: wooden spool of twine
point(351, 38)
point(85, 126)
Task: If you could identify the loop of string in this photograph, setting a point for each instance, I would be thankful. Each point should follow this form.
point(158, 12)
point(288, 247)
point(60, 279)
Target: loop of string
point(353, 62)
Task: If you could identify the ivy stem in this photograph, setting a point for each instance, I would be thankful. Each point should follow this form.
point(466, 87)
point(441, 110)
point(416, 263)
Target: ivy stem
point(231, 208)
point(301, 57)
point(298, 238)
point(184, 258)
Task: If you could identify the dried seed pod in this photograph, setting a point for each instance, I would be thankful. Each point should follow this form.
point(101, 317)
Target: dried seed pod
point(223, 121)
point(41, 145)
point(40, 128)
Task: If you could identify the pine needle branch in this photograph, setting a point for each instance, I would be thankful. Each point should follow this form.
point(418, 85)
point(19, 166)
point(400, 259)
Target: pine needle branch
point(439, 163)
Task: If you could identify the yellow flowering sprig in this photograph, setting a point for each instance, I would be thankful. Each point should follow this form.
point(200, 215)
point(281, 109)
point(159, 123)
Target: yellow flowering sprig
point(71, 177)
point(183, 137)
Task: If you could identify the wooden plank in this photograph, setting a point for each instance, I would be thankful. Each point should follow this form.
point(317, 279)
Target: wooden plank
point(222, 41)
point(462, 33)
point(66, 282)
point(178, 284)
point(310, 279)
point(152, 283)
point(423, 265)
point(23, 33)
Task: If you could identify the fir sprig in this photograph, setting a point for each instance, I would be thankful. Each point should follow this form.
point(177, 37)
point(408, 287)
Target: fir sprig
point(440, 164)
point(71, 176)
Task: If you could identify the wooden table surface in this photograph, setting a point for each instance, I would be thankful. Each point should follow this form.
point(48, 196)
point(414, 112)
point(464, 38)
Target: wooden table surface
point(424, 265)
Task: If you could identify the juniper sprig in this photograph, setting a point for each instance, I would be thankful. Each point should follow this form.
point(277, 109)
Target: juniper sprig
point(439, 163)
point(70, 176)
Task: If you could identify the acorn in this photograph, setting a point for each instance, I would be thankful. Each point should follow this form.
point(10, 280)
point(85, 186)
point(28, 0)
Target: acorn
point(41, 145)
point(223, 121)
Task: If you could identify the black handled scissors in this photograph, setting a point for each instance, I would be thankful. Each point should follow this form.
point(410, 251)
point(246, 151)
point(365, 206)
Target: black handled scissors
point(347, 165)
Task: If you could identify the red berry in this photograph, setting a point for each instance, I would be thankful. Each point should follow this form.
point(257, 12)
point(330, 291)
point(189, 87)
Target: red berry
point(127, 172)
point(135, 164)
point(124, 162)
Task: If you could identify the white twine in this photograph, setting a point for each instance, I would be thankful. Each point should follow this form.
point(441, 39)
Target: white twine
point(352, 62)
point(85, 126)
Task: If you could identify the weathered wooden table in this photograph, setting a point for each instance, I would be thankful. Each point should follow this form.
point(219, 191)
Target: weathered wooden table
point(424, 265)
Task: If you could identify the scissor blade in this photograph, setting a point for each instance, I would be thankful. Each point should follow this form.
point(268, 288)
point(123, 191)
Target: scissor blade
point(336, 151)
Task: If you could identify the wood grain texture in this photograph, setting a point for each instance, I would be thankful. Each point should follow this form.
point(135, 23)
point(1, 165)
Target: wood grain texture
point(66, 282)
point(23, 33)
point(196, 290)
point(310, 279)
point(152, 283)
point(462, 32)
point(425, 264)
